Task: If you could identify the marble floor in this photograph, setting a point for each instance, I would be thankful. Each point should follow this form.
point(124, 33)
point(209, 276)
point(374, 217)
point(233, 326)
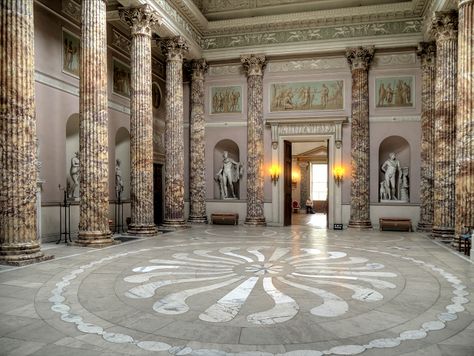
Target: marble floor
point(318, 220)
point(212, 291)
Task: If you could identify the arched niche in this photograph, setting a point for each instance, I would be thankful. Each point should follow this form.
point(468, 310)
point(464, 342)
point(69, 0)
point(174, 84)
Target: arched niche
point(401, 148)
point(234, 153)
point(122, 153)
point(72, 146)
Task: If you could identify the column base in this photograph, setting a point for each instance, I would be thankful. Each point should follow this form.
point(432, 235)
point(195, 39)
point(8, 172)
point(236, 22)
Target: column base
point(443, 233)
point(424, 227)
point(255, 221)
point(360, 224)
point(142, 230)
point(96, 239)
point(172, 225)
point(198, 219)
point(22, 254)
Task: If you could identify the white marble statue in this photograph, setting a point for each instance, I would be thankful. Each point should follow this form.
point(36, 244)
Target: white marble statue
point(118, 178)
point(393, 173)
point(228, 175)
point(73, 185)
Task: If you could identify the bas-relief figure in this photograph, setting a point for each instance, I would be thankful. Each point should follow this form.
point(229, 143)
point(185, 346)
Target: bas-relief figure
point(71, 49)
point(118, 179)
point(395, 185)
point(228, 176)
point(73, 182)
point(225, 100)
point(394, 92)
point(121, 82)
point(321, 95)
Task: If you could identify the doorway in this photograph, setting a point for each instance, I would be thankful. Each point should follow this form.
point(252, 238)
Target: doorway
point(306, 183)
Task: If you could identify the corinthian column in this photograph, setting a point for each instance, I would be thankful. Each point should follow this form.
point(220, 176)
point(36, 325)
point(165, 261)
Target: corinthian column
point(254, 66)
point(427, 54)
point(174, 49)
point(197, 179)
point(444, 29)
point(141, 20)
point(465, 119)
point(18, 237)
point(359, 61)
point(93, 141)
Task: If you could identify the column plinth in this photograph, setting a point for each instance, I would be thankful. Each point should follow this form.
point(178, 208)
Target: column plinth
point(19, 244)
point(427, 54)
point(359, 60)
point(93, 134)
point(197, 179)
point(141, 20)
point(444, 29)
point(465, 121)
point(174, 49)
point(254, 65)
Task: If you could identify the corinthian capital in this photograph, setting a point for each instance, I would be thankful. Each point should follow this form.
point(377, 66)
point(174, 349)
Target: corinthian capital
point(174, 48)
point(444, 26)
point(198, 67)
point(141, 19)
point(360, 57)
point(427, 53)
point(254, 64)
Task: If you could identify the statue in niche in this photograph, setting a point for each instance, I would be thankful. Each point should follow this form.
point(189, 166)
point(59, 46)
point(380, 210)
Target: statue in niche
point(118, 179)
point(391, 183)
point(73, 184)
point(404, 186)
point(228, 175)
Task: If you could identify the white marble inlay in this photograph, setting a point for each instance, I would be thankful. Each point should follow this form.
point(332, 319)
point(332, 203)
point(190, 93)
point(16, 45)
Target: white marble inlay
point(285, 307)
point(175, 303)
point(228, 306)
point(61, 306)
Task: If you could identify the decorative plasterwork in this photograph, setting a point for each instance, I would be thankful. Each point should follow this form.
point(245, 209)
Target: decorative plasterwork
point(225, 70)
point(307, 65)
point(335, 33)
point(294, 127)
point(120, 41)
point(398, 59)
point(71, 9)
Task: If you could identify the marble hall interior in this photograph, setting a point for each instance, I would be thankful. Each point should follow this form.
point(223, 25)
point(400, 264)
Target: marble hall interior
point(236, 177)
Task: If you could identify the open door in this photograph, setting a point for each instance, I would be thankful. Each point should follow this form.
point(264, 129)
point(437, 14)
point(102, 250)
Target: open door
point(287, 182)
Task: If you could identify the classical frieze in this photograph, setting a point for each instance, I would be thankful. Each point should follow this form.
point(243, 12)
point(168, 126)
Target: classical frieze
point(120, 41)
point(71, 9)
point(398, 59)
point(313, 34)
point(307, 64)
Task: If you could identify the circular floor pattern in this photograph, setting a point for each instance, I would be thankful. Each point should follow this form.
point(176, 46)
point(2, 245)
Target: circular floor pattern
point(240, 285)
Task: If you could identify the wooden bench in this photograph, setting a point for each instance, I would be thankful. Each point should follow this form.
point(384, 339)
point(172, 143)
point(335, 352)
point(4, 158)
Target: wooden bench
point(225, 219)
point(395, 224)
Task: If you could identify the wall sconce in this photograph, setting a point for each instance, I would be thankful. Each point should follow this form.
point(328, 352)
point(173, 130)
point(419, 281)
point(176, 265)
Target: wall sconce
point(338, 173)
point(274, 173)
point(295, 177)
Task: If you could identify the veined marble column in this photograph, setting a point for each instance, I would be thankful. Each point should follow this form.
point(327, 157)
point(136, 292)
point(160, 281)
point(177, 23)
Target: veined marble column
point(141, 20)
point(18, 155)
point(359, 61)
point(197, 178)
point(465, 119)
point(174, 49)
point(427, 53)
point(304, 185)
point(254, 66)
point(444, 29)
point(93, 134)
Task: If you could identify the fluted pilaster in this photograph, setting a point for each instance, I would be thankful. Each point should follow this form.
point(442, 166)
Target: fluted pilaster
point(444, 29)
point(174, 49)
point(359, 61)
point(141, 20)
point(427, 54)
point(18, 155)
point(197, 179)
point(254, 66)
point(93, 134)
point(465, 119)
